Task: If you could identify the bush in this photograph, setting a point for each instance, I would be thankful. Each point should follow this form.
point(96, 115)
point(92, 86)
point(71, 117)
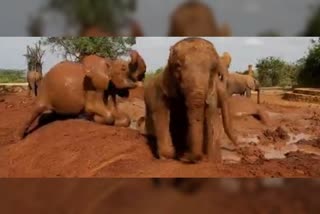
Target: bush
point(309, 66)
point(12, 76)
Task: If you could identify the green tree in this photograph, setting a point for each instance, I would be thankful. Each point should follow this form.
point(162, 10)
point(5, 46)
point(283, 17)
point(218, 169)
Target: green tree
point(34, 55)
point(106, 14)
point(77, 47)
point(309, 66)
point(288, 75)
point(313, 24)
point(268, 70)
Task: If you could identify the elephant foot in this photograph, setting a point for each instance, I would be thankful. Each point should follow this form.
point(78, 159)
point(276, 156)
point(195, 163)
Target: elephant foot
point(191, 158)
point(168, 153)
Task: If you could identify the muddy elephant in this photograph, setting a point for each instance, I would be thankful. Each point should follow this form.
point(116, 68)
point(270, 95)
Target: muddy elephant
point(242, 106)
point(135, 70)
point(177, 106)
point(242, 84)
point(194, 18)
point(34, 77)
point(72, 88)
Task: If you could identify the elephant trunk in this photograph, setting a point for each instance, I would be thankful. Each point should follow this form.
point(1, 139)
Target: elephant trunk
point(195, 113)
point(258, 95)
point(258, 91)
point(226, 119)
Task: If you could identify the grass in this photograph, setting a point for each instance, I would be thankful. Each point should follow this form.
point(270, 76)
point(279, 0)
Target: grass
point(12, 76)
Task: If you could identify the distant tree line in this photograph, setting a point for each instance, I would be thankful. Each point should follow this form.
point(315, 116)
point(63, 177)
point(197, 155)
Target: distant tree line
point(12, 76)
point(274, 71)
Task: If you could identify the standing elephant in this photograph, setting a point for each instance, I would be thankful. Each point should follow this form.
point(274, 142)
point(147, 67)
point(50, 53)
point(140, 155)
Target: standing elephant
point(240, 83)
point(34, 77)
point(178, 111)
point(34, 73)
point(194, 18)
point(71, 88)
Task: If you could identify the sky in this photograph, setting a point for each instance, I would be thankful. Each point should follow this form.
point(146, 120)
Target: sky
point(155, 50)
point(246, 17)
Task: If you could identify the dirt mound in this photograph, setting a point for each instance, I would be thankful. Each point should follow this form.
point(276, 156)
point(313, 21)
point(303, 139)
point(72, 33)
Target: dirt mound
point(79, 148)
point(74, 148)
point(251, 154)
point(279, 134)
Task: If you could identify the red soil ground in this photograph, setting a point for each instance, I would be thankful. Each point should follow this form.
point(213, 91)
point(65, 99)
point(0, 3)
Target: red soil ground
point(79, 148)
point(87, 196)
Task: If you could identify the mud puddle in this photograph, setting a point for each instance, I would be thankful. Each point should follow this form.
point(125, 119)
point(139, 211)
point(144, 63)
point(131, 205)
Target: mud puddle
point(275, 150)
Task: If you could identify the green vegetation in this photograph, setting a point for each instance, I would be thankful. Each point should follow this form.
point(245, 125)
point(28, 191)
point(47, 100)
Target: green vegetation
point(272, 71)
point(34, 56)
point(12, 76)
point(313, 24)
point(107, 15)
point(77, 47)
point(151, 74)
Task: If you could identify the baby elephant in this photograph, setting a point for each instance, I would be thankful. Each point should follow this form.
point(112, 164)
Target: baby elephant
point(178, 112)
point(71, 88)
point(243, 106)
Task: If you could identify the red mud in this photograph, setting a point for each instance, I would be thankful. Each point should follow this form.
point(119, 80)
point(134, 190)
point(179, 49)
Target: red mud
point(86, 196)
point(79, 148)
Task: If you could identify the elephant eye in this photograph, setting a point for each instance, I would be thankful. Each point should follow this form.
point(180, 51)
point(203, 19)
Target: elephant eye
point(220, 76)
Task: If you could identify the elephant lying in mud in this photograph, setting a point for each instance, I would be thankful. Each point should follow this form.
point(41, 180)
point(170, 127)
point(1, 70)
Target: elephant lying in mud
point(71, 88)
point(243, 106)
point(194, 18)
point(182, 101)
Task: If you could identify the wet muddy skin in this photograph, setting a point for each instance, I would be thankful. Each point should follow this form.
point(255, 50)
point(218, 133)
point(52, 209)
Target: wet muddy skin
point(289, 147)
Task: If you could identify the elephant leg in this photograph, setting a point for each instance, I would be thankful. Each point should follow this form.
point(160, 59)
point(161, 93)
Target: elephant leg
point(161, 124)
point(101, 114)
point(29, 90)
point(35, 89)
point(121, 119)
point(248, 92)
point(39, 109)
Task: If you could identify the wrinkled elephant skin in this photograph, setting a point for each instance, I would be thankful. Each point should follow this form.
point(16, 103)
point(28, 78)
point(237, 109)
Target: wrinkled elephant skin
point(71, 89)
point(175, 99)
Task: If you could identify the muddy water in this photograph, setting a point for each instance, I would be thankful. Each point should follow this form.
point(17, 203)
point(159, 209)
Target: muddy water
point(275, 150)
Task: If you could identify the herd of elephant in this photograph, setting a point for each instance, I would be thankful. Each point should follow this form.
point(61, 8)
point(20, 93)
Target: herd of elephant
point(182, 102)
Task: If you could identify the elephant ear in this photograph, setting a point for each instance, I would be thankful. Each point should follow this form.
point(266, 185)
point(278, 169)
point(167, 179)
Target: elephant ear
point(137, 66)
point(226, 59)
point(95, 80)
point(251, 82)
